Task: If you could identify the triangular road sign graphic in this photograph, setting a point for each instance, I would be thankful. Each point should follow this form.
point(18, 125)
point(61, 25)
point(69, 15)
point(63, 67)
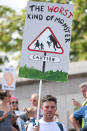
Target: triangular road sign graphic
point(46, 41)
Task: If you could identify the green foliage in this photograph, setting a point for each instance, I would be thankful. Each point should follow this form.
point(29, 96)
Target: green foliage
point(10, 24)
point(79, 31)
point(37, 74)
point(11, 30)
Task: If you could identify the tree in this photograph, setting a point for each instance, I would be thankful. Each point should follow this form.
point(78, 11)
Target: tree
point(11, 31)
point(79, 31)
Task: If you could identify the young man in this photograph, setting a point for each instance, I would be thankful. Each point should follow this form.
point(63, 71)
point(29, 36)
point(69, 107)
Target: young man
point(47, 123)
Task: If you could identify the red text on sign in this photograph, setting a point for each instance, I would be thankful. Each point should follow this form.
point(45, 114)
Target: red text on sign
point(62, 11)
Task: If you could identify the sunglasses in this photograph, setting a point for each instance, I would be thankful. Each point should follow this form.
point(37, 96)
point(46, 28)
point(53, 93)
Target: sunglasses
point(13, 102)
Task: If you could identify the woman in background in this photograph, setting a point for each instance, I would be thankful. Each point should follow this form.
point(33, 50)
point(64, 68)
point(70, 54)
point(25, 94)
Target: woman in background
point(5, 112)
point(16, 120)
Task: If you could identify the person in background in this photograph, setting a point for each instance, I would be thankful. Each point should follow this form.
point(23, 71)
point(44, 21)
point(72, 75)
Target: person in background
point(14, 106)
point(80, 113)
point(33, 103)
point(31, 114)
point(14, 103)
point(47, 123)
point(5, 112)
point(34, 100)
point(33, 106)
point(83, 88)
point(16, 120)
point(77, 104)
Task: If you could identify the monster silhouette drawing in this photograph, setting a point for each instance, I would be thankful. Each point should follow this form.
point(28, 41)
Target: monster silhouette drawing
point(53, 41)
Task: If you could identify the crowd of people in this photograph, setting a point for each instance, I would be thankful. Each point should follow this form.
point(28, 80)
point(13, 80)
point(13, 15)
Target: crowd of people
point(12, 119)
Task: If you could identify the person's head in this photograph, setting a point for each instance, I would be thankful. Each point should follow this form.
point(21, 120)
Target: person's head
point(14, 103)
point(5, 95)
point(34, 99)
point(31, 112)
point(49, 107)
point(83, 88)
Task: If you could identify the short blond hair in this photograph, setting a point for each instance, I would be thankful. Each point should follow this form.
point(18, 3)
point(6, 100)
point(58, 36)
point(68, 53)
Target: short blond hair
point(30, 109)
point(34, 95)
point(83, 84)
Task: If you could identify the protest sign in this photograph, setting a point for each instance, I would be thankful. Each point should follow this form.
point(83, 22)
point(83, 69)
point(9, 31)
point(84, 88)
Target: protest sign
point(46, 41)
point(9, 78)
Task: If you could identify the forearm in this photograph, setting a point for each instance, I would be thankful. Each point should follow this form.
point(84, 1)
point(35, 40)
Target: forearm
point(74, 123)
point(3, 116)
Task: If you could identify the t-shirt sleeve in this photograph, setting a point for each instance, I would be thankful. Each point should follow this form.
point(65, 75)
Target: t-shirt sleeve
point(64, 127)
point(30, 126)
point(79, 113)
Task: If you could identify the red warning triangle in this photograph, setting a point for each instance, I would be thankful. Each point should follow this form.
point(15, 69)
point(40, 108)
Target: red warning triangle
point(46, 41)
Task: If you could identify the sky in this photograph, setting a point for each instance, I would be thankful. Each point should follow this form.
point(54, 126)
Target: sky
point(15, 4)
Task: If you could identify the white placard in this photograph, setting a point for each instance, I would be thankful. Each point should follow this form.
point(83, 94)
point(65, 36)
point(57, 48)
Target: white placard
point(46, 41)
point(9, 78)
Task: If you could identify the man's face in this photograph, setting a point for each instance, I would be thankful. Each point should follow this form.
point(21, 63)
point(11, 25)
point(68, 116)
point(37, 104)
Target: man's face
point(84, 91)
point(49, 108)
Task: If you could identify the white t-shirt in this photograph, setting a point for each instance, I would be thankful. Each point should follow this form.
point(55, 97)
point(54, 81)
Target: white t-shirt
point(46, 126)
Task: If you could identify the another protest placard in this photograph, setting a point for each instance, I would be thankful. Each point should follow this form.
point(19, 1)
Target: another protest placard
point(9, 78)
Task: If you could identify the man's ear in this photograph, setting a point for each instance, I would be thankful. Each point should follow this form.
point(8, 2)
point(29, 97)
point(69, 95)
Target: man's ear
point(42, 107)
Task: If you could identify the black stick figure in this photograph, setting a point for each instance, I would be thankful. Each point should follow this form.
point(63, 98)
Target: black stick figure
point(49, 43)
point(37, 44)
point(42, 46)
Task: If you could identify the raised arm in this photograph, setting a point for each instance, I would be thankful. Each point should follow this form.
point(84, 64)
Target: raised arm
point(3, 116)
point(76, 103)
